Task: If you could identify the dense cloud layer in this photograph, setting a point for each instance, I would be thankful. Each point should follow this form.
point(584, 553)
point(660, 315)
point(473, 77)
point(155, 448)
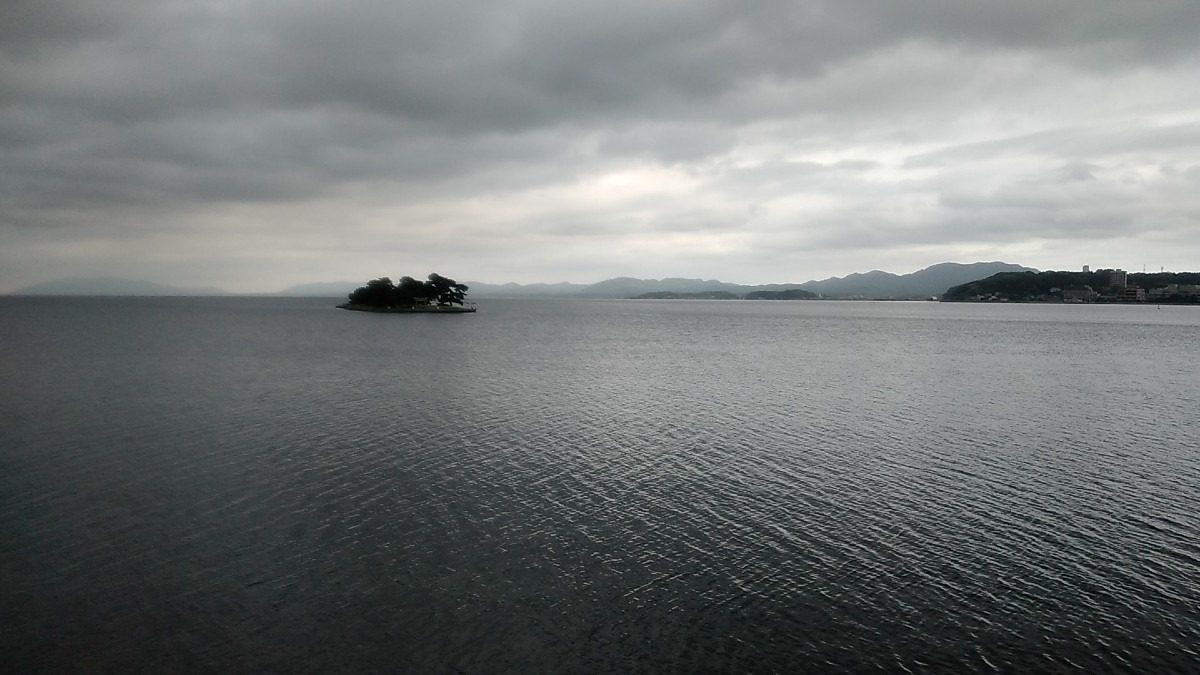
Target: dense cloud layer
point(259, 144)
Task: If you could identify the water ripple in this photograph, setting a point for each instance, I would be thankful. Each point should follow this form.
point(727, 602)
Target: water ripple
point(597, 487)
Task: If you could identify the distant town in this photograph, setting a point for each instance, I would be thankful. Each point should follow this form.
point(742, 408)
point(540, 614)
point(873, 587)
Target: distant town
point(1086, 286)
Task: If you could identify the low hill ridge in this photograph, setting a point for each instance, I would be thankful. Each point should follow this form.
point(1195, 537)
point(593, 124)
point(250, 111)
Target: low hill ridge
point(932, 281)
point(925, 283)
point(84, 286)
point(876, 284)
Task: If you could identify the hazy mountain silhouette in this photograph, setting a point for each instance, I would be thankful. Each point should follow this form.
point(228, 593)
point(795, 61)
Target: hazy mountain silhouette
point(562, 289)
point(929, 282)
point(114, 286)
point(321, 289)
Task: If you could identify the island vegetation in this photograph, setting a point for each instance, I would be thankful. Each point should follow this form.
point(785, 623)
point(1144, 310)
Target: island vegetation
point(698, 295)
point(436, 294)
point(790, 294)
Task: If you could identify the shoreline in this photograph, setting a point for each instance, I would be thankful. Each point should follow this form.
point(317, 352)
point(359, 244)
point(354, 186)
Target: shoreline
point(425, 309)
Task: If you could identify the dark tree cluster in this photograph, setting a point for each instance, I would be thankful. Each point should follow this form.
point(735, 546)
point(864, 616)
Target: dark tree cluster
point(698, 295)
point(790, 294)
point(408, 292)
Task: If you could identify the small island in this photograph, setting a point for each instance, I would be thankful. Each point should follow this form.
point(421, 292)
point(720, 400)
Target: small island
point(675, 295)
point(790, 294)
point(436, 295)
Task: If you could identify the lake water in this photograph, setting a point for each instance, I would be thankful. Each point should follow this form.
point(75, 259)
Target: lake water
point(275, 485)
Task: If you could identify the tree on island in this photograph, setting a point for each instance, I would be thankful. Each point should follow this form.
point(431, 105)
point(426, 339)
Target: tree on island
point(409, 292)
point(446, 291)
point(377, 293)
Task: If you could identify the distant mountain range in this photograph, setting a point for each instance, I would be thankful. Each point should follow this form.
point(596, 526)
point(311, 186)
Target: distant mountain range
point(929, 282)
point(112, 286)
point(325, 289)
point(926, 283)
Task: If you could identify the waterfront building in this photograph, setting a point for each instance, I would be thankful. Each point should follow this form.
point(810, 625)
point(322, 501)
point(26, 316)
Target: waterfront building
point(1131, 295)
point(1078, 294)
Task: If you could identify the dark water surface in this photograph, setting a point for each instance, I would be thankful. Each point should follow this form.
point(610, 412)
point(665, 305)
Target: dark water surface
point(263, 485)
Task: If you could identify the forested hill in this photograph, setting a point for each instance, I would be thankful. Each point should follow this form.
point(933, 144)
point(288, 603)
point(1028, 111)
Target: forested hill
point(1048, 286)
point(929, 282)
point(790, 294)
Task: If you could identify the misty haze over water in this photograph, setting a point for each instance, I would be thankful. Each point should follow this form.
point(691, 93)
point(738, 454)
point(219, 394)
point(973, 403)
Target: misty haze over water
point(264, 484)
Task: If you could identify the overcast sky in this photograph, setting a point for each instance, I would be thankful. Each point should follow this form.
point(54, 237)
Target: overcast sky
point(254, 145)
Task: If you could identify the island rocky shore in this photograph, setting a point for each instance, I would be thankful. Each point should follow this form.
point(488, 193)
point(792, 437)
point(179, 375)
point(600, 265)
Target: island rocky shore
point(418, 309)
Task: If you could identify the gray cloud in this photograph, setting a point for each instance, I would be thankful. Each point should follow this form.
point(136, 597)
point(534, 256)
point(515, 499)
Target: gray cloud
point(539, 139)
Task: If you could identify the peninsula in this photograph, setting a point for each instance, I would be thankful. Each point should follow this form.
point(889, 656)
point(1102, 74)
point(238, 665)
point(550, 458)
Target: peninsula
point(1087, 286)
point(436, 295)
